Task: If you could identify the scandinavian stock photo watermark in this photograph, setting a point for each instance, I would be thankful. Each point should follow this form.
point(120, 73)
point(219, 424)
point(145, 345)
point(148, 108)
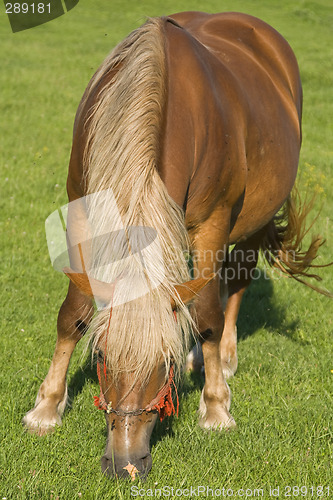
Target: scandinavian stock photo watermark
point(225, 492)
point(89, 237)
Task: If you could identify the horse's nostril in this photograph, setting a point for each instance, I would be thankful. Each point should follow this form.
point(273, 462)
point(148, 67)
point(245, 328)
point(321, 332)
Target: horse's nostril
point(147, 463)
point(107, 466)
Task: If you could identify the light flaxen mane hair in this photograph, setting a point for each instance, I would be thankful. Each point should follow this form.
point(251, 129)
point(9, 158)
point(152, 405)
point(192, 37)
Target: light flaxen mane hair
point(122, 152)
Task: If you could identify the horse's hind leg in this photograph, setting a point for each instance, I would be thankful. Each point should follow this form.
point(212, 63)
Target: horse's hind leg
point(237, 275)
point(74, 317)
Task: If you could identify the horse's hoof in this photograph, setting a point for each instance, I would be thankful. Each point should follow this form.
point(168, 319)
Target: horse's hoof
point(223, 421)
point(229, 368)
point(194, 360)
point(45, 416)
point(41, 421)
point(218, 418)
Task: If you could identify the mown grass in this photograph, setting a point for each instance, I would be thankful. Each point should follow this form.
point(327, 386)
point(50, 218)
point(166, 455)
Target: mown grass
point(282, 393)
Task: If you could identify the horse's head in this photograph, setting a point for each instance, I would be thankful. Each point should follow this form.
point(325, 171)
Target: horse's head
point(131, 413)
point(131, 404)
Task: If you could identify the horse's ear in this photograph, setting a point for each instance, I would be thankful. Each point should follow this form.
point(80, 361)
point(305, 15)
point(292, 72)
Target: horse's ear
point(80, 280)
point(90, 286)
point(187, 291)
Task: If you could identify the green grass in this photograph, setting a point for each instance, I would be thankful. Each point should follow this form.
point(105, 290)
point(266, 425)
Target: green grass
point(282, 392)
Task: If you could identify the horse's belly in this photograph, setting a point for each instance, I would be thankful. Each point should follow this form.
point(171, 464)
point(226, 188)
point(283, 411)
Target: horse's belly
point(268, 186)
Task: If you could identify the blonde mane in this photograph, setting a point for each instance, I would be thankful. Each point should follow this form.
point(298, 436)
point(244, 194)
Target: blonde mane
point(122, 153)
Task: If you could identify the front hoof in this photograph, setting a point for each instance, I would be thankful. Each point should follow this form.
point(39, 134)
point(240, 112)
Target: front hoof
point(216, 418)
point(218, 422)
point(41, 420)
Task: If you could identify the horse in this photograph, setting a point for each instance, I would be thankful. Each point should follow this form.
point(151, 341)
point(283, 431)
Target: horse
point(186, 141)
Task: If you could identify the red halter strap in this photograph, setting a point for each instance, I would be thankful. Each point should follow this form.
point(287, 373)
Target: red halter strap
point(162, 403)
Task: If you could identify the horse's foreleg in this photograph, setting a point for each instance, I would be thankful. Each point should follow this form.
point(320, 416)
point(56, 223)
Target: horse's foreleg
point(74, 317)
point(228, 344)
point(207, 258)
point(215, 397)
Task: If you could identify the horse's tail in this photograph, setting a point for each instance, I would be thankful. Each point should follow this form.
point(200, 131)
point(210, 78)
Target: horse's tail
point(282, 245)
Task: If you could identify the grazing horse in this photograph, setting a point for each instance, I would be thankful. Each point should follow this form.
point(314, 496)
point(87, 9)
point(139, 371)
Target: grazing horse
point(186, 141)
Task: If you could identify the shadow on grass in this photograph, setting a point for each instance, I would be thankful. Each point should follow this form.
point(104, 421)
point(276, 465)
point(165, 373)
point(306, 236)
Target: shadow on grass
point(78, 380)
point(259, 309)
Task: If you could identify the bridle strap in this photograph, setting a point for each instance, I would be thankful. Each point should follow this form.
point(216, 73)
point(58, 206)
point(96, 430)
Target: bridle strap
point(162, 403)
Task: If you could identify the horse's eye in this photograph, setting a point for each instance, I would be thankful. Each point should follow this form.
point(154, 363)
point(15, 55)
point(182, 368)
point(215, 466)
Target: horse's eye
point(100, 356)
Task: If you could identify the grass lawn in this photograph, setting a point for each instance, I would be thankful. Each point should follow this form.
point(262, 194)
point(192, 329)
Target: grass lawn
point(282, 392)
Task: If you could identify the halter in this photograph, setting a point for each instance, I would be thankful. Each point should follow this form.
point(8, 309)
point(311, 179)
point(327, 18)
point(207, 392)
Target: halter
point(162, 403)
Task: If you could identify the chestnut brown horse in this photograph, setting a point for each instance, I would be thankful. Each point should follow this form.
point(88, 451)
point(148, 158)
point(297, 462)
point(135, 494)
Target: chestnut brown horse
point(191, 129)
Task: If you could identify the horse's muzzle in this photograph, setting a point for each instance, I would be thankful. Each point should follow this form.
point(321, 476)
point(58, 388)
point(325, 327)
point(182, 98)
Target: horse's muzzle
point(126, 468)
